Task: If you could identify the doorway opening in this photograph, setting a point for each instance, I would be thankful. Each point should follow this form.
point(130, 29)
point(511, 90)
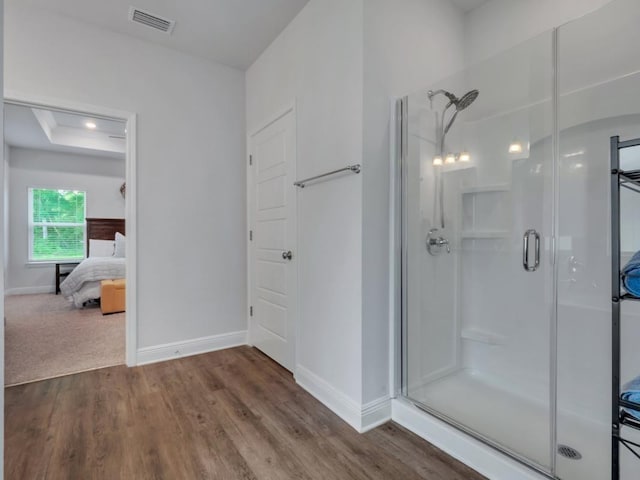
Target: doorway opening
point(69, 223)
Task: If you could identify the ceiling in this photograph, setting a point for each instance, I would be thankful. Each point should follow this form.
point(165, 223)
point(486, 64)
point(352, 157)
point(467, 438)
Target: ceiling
point(65, 132)
point(231, 32)
point(467, 5)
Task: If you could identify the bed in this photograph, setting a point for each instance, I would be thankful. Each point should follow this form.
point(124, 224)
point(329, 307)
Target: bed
point(83, 283)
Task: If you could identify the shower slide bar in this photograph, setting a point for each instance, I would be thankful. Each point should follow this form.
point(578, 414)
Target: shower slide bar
point(350, 168)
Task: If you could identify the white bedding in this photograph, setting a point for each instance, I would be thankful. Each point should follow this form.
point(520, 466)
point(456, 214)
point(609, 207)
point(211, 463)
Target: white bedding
point(83, 283)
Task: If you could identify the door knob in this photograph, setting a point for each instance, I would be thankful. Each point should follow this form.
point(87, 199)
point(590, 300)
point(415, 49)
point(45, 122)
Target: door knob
point(287, 255)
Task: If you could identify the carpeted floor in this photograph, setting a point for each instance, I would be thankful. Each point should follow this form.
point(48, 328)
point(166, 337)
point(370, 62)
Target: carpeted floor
point(45, 337)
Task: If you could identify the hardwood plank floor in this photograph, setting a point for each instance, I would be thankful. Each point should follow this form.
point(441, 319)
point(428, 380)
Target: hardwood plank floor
point(232, 414)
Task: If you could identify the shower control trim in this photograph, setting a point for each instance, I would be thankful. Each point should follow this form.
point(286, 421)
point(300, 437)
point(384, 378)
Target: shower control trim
point(435, 244)
point(525, 251)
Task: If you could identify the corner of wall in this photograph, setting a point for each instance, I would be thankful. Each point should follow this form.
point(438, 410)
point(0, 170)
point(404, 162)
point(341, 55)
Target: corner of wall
point(361, 417)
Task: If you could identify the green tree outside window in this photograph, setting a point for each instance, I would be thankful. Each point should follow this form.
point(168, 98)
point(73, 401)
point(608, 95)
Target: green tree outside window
point(56, 224)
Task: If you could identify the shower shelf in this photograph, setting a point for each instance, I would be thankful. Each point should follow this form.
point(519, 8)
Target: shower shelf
point(484, 234)
point(487, 189)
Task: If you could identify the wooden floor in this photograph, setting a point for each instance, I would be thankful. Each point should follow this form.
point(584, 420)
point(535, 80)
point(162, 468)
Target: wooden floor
point(227, 415)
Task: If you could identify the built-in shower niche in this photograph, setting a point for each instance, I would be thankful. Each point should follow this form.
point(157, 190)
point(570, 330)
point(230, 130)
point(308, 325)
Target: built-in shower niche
point(485, 212)
point(485, 226)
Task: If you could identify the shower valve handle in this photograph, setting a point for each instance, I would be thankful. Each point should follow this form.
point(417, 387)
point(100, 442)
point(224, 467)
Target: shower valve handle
point(438, 242)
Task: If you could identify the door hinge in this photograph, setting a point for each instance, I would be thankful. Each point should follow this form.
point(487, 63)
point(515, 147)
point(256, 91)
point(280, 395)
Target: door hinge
point(251, 311)
point(251, 235)
point(250, 159)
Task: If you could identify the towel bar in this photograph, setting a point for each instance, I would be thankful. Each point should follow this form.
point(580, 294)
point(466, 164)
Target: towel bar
point(350, 168)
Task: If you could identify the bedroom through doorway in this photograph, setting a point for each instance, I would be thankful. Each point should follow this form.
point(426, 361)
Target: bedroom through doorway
point(65, 257)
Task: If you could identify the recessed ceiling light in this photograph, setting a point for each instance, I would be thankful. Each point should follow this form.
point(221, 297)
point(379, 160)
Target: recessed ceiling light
point(90, 125)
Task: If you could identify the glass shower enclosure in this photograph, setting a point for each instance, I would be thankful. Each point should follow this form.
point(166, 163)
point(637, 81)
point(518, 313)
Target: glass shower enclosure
point(505, 246)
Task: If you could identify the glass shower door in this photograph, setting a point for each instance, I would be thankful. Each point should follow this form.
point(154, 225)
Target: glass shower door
point(598, 97)
point(478, 228)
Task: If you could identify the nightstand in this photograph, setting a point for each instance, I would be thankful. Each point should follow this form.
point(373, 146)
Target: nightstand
point(67, 268)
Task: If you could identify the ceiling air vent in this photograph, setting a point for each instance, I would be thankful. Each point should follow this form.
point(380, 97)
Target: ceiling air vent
point(150, 20)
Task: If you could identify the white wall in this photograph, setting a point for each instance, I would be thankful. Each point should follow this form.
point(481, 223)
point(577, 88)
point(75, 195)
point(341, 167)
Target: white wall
point(400, 57)
point(100, 177)
point(317, 62)
point(501, 24)
point(190, 165)
point(344, 62)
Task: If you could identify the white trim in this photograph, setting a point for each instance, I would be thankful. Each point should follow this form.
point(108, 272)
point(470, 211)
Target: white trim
point(361, 418)
point(29, 290)
point(375, 413)
point(290, 108)
point(333, 399)
point(196, 346)
point(51, 263)
point(473, 453)
point(30, 100)
point(394, 255)
point(249, 227)
point(131, 226)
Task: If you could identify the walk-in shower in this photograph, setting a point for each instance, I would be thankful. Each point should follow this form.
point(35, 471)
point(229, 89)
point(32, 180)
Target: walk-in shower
point(507, 337)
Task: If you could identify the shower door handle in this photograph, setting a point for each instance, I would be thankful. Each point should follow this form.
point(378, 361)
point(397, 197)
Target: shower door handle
point(525, 251)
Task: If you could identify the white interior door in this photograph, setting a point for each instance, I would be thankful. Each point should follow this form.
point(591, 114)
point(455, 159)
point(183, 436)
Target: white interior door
point(273, 262)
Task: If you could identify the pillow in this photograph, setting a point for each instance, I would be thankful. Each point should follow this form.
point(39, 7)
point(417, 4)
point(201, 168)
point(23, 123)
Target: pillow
point(121, 244)
point(101, 248)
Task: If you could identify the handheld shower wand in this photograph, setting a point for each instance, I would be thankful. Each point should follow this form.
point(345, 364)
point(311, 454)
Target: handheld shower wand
point(460, 104)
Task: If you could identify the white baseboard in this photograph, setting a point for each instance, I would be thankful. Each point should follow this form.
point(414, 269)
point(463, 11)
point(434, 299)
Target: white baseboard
point(482, 458)
point(29, 290)
point(361, 418)
point(171, 351)
point(375, 413)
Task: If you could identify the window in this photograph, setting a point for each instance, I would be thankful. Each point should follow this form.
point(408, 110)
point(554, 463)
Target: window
point(56, 224)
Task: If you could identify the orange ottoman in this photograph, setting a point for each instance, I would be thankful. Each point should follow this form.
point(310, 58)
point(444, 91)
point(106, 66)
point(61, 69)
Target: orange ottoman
point(112, 296)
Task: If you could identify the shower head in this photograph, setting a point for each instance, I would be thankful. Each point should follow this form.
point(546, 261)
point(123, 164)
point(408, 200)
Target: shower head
point(466, 100)
point(460, 103)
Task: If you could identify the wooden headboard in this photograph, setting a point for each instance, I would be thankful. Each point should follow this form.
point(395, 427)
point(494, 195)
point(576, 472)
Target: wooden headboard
point(103, 229)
